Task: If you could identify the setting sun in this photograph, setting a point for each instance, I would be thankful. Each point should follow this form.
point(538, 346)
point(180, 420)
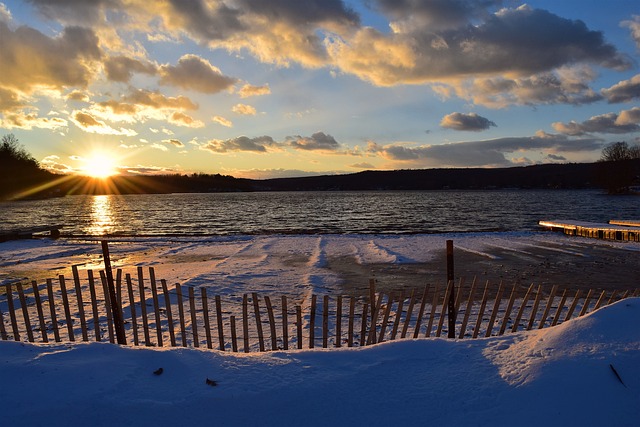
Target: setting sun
point(100, 165)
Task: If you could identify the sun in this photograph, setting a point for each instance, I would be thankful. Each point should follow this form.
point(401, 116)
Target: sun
point(100, 165)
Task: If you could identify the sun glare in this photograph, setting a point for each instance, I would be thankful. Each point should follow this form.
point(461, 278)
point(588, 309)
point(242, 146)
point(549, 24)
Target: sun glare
point(100, 165)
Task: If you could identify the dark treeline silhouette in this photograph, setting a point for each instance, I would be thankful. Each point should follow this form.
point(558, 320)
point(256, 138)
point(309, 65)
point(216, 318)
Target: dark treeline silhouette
point(19, 171)
point(21, 177)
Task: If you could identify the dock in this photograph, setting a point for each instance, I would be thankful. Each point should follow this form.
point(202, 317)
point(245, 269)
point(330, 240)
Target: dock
point(28, 232)
point(625, 230)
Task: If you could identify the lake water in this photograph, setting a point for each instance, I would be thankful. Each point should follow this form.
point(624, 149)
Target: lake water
point(316, 212)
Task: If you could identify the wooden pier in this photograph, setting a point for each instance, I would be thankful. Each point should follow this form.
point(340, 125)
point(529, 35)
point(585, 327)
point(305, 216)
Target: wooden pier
point(27, 233)
point(626, 230)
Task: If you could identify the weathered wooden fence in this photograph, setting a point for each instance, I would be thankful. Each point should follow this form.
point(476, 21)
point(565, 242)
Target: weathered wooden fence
point(156, 314)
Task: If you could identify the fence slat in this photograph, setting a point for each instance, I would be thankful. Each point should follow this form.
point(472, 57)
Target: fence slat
point(67, 310)
point(494, 311)
point(552, 296)
point(25, 312)
point(272, 324)
point(132, 309)
point(52, 310)
point(339, 322)
point(352, 313)
point(599, 302)
point(219, 319)
point(245, 322)
point(432, 315)
point(556, 318)
point(119, 286)
point(573, 306)
point(534, 310)
point(3, 331)
point(285, 323)
point(83, 322)
point(143, 308)
point(374, 320)
point(234, 334)
point(613, 296)
point(483, 305)
point(94, 305)
point(363, 325)
point(423, 304)
point(194, 319)
point(325, 321)
point(385, 317)
point(156, 305)
point(467, 311)
point(205, 313)
point(407, 319)
point(396, 321)
point(312, 322)
point(299, 326)
point(43, 326)
point(183, 332)
point(587, 300)
point(507, 313)
point(256, 309)
point(445, 307)
point(107, 302)
point(12, 314)
point(516, 322)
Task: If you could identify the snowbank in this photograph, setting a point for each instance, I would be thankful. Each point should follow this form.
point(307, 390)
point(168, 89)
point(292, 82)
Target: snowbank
point(554, 376)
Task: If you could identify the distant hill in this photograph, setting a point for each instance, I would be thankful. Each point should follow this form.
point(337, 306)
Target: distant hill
point(546, 176)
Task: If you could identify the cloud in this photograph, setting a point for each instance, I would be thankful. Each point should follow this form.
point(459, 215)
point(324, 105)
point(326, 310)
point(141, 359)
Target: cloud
point(362, 166)
point(626, 122)
point(317, 141)
point(174, 142)
point(250, 90)
point(121, 68)
point(222, 121)
point(157, 100)
point(466, 122)
point(624, 91)
point(241, 143)
point(30, 59)
point(520, 42)
point(89, 123)
point(195, 73)
point(10, 100)
point(52, 164)
point(492, 153)
point(27, 121)
point(634, 26)
point(159, 147)
point(78, 95)
point(182, 119)
point(244, 109)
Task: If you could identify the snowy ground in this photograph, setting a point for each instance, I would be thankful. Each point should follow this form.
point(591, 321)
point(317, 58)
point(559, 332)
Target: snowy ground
point(560, 376)
point(298, 265)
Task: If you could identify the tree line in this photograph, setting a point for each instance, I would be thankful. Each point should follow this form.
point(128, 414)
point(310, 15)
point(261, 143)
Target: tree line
point(618, 171)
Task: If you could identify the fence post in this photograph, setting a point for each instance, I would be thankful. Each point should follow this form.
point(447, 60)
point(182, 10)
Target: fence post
point(115, 304)
point(452, 295)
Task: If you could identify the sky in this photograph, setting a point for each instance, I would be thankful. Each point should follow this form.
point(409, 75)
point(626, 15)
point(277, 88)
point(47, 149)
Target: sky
point(280, 88)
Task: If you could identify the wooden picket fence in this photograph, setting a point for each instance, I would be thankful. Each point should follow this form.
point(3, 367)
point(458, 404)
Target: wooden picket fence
point(156, 314)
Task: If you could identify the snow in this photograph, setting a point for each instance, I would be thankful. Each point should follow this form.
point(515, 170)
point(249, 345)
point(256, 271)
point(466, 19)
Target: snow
point(554, 376)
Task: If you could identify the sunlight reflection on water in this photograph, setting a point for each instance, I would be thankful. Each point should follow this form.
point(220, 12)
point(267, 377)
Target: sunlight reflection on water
point(101, 216)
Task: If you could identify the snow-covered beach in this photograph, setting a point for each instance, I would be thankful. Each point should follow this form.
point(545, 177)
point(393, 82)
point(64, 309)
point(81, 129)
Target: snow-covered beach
point(529, 378)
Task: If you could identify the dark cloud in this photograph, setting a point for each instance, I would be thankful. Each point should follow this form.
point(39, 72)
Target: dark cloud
point(301, 13)
point(76, 11)
point(193, 72)
point(466, 122)
point(626, 122)
point(174, 142)
point(363, 166)
point(483, 153)
point(624, 91)
point(435, 14)
point(206, 23)
point(241, 143)
point(317, 141)
point(9, 100)
point(30, 59)
point(121, 68)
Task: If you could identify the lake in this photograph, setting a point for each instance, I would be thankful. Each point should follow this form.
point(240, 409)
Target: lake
point(396, 212)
